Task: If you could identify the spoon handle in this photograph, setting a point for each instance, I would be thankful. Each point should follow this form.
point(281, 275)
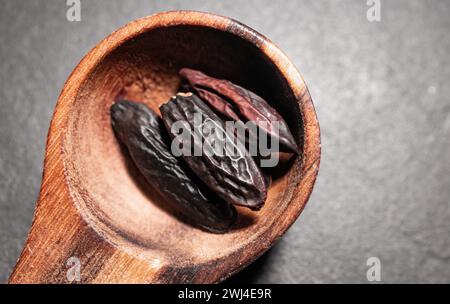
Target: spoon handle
point(62, 248)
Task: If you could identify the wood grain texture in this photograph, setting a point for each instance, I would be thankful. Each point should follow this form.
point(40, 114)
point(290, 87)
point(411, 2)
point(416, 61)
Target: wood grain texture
point(93, 204)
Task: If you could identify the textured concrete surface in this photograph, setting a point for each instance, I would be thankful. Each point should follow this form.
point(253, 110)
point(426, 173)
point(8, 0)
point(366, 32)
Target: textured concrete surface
point(381, 92)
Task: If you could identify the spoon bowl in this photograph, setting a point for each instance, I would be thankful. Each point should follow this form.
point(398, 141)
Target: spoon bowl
point(95, 208)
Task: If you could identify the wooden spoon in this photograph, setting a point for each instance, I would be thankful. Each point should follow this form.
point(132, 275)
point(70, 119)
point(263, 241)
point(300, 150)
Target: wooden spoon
point(96, 215)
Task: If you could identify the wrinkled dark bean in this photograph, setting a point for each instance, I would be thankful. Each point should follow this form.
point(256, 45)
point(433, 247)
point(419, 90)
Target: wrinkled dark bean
point(237, 103)
point(237, 180)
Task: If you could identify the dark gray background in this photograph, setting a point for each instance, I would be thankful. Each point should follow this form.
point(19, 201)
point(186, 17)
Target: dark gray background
point(381, 93)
